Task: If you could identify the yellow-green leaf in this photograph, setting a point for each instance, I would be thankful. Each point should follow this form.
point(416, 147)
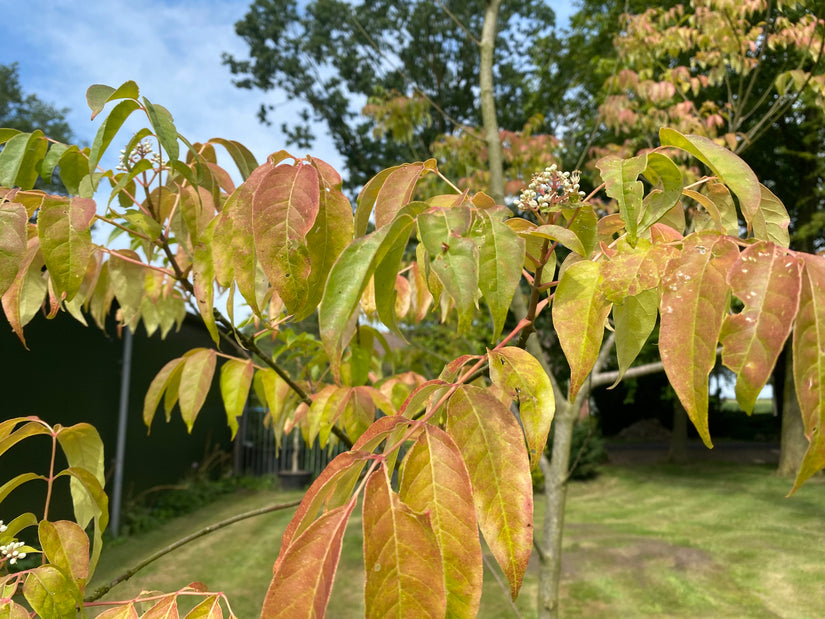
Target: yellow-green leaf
point(127, 276)
point(13, 219)
point(634, 319)
point(66, 546)
point(65, 230)
point(387, 193)
point(620, 177)
point(236, 379)
point(157, 388)
point(522, 377)
point(83, 449)
point(492, 447)
point(402, 560)
point(50, 593)
point(434, 479)
point(195, 381)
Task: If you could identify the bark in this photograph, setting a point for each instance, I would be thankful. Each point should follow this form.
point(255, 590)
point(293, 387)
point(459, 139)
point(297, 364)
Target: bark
point(793, 444)
point(678, 437)
point(495, 160)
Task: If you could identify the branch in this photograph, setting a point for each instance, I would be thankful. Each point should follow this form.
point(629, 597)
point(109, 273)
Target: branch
point(100, 592)
point(458, 23)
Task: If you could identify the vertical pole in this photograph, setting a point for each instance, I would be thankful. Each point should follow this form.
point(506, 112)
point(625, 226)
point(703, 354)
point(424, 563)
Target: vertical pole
point(122, 419)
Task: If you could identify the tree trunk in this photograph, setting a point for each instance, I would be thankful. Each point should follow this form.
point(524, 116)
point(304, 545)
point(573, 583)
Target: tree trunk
point(495, 159)
point(678, 436)
point(555, 496)
point(793, 443)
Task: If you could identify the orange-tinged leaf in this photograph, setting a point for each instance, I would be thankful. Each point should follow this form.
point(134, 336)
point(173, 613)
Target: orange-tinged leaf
point(13, 219)
point(580, 310)
point(808, 344)
point(284, 208)
point(236, 379)
point(521, 377)
point(24, 297)
point(302, 581)
point(386, 193)
point(66, 546)
point(165, 608)
point(195, 381)
point(403, 564)
point(694, 303)
point(12, 610)
point(768, 281)
point(435, 480)
point(492, 446)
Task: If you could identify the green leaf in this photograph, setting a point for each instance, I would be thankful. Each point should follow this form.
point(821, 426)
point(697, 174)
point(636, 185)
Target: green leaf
point(6, 133)
point(65, 231)
point(772, 220)
point(98, 95)
point(402, 560)
point(203, 281)
point(50, 593)
point(693, 306)
point(195, 381)
point(721, 198)
point(635, 319)
point(83, 449)
point(768, 281)
point(13, 237)
point(522, 377)
point(620, 177)
point(492, 447)
point(13, 528)
point(19, 159)
point(666, 178)
point(349, 277)
point(387, 192)
point(730, 170)
point(584, 224)
point(160, 383)
point(453, 257)
point(284, 207)
point(580, 310)
point(127, 277)
point(73, 167)
point(164, 127)
point(109, 128)
point(303, 576)
point(66, 546)
point(386, 295)
point(49, 162)
point(236, 379)
point(330, 234)
point(274, 392)
point(566, 237)
point(18, 480)
point(500, 257)
point(241, 155)
point(435, 480)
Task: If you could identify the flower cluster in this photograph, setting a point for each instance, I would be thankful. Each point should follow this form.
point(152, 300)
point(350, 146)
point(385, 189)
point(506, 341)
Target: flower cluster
point(11, 551)
point(550, 188)
point(3, 527)
point(142, 150)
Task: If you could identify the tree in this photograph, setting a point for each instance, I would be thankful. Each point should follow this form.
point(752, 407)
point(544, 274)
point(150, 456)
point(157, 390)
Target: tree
point(415, 62)
point(287, 241)
point(27, 112)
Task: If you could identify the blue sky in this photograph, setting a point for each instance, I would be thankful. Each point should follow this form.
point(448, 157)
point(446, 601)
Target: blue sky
point(172, 49)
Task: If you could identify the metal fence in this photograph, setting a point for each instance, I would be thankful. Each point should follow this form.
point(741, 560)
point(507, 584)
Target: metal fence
point(257, 454)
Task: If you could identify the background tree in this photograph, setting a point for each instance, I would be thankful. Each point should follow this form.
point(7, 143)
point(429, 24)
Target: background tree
point(26, 112)
point(415, 61)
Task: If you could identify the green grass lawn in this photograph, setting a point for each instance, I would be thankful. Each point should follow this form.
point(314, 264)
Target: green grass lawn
point(710, 540)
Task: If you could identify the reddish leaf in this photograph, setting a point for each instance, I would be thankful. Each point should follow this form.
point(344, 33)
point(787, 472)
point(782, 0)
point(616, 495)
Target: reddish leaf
point(387, 192)
point(403, 564)
point(693, 306)
point(492, 446)
point(305, 569)
point(580, 310)
point(23, 298)
point(521, 377)
point(284, 208)
point(195, 381)
point(767, 280)
point(165, 608)
point(808, 344)
point(127, 611)
point(435, 480)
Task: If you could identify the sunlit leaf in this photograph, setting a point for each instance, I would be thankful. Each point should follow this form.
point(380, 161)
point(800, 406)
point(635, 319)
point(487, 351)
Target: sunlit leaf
point(126, 611)
point(634, 320)
point(666, 178)
point(66, 546)
point(65, 231)
point(109, 128)
point(302, 582)
point(19, 159)
point(402, 560)
point(95, 502)
point(621, 183)
point(83, 448)
point(165, 608)
point(98, 95)
point(767, 281)
point(284, 208)
point(158, 386)
point(562, 235)
point(13, 221)
point(500, 257)
point(127, 275)
point(195, 381)
point(435, 480)
point(580, 310)
point(492, 446)
point(50, 593)
point(164, 127)
point(236, 379)
point(386, 193)
point(693, 306)
point(209, 608)
point(522, 377)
